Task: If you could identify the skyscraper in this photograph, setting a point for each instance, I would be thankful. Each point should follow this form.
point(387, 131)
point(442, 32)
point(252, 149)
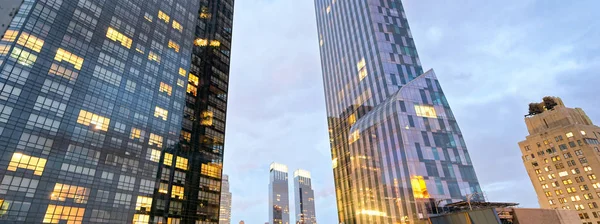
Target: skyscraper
point(225, 212)
point(561, 158)
point(304, 198)
point(395, 144)
point(279, 206)
point(92, 96)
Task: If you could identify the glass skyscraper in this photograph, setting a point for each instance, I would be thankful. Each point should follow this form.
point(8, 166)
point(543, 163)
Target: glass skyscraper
point(304, 198)
point(113, 111)
point(397, 150)
point(279, 205)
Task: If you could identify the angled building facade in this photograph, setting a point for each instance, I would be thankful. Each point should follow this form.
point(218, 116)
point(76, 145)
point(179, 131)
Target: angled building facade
point(225, 212)
point(396, 147)
point(94, 98)
point(304, 198)
point(561, 156)
point(279, 205)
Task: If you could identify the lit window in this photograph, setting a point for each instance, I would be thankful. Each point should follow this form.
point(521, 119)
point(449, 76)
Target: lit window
point(201, 42)
point(168, 159)
point(211, 170)
point(89, 119)
point(191, 89)
point(62, 191)
point(115, 35)
point(148, 17)
point(361, 67)
point(57, 213)
point(23, 57)
point(419, 187)
point(182, 72)
point(62, 54)
point(135, 133)
point(153, 57)
point(154, 155)
point(193, 79)
point(328, 9)
point(215, 43)
point(204, 14)
point(207, 118)
point(10, 35)
point(160, 112)
point(4, 49)
point(177, 26)
point(186, 135)
point(173, 45)
point(23, 161)
point(425, 111)
point(182, 163)
point(177, 192)
point(165, 88)
point(155, 140)
point(569, 135)
point(352, 119)
point(143, 203)
point(563, 173)
point(582, 132)
point(163, 188)
point(31, 42)
point(141, 219)
point(354, 136)
point(587, 168)
point(163, 16)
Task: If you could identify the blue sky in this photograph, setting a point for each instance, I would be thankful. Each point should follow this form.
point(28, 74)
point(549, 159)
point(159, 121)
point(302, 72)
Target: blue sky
point(492, 58)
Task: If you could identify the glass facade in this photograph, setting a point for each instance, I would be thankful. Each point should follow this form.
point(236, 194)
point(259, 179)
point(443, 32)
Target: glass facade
point(279, 205)
point(304, 198)
point(97, 120)
point(397, 150)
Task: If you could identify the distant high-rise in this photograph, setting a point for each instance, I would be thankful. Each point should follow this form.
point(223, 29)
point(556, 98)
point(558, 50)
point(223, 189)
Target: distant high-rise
point(304, 198)
point(225, 212)
point(279, 207)
point(97, 97)
point(396, 146)
point(561, 155)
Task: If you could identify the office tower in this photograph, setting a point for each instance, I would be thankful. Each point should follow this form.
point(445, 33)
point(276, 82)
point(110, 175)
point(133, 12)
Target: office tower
point(561, 155)
point(279, 207)
point(92, 93)
point(8, 10)
point(304, 198)
point(225, 212)
point(395, 144)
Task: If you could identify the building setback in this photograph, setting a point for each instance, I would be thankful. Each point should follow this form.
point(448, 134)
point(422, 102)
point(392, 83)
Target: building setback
point(304, 198)
point(396, 146)
point(561, 156)
point(113, 111)
point(279, 206)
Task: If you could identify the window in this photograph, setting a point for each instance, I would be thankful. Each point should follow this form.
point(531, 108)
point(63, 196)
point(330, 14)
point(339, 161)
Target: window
point(596, 185)
point(57, 213)
point(555, 158)
point(588, 196)
point(215, 43)
point(182, 163)
point(163, 188)
point(177, 26)
point(173, 45)
point(545, 186)
point(23, 57)
point(115, 35)
point(548, 193)
point(165, 88)
point(551, 176)
point(563, 173)
point(155, 140)
point(593, 205)
point(567, 181)
point(569, 134)
point(582, 132)
point(201, 42)
point(575, 198)
point(141, 219)
point(31, 42)
point(154, 155)
point(161, 113)
point(571, 190)
point(212, 170)
point(126, 182)
point(582, 160)
point(177, 192)
point(168, 160)
point(191, 89)
point(558, 192)
point(567, 155)
point(122, 200)
point(19, 184)
point(153, 57)
point(163, 16)
point(62, 54)
point(591, 176)
point(182, 72)
point(63, 191)
point(89, 119)
point(538, 171)
point(425, 111)
point(551, 202)
point(193, 79)
point(143, 203)
point(587, 168)
point(578, 152)
point(148, 17)
point(584, 188)
point(548, 169)
point(23, 161)
point(555, 184)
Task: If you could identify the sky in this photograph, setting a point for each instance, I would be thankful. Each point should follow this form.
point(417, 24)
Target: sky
point(492, 58)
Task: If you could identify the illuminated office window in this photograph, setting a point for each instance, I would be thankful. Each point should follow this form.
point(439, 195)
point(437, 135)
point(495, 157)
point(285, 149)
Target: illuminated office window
point(115, 35)
point(186, 135)
point(154, 155)
point(63, 191)
point(211, 170)
point(163, 16)
point(10, 35)
point(182, 72)
point(31, 42)
point(419, 187)
point(143, 203)
point(62, 54)
point(177, 192)
point(352, 119)
point(201, 42)
point(177, 26)
point(163, 188)
point(191, 89)
point(182, 163)
point(215, 43)
point(141, 219)
point(4, 49)
point(165, 88)
point(153, 57)
point(354, 136)
point(94, 120)
point(193, 79)
point(155, 140)
point(425, 111)
point(168, 160)
point(59, 214)
point(23, 161)
point(207, 118)
point(569, 135)
point(161, 113)
point(173, 45)
point(23, 57)
point(136, 133)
